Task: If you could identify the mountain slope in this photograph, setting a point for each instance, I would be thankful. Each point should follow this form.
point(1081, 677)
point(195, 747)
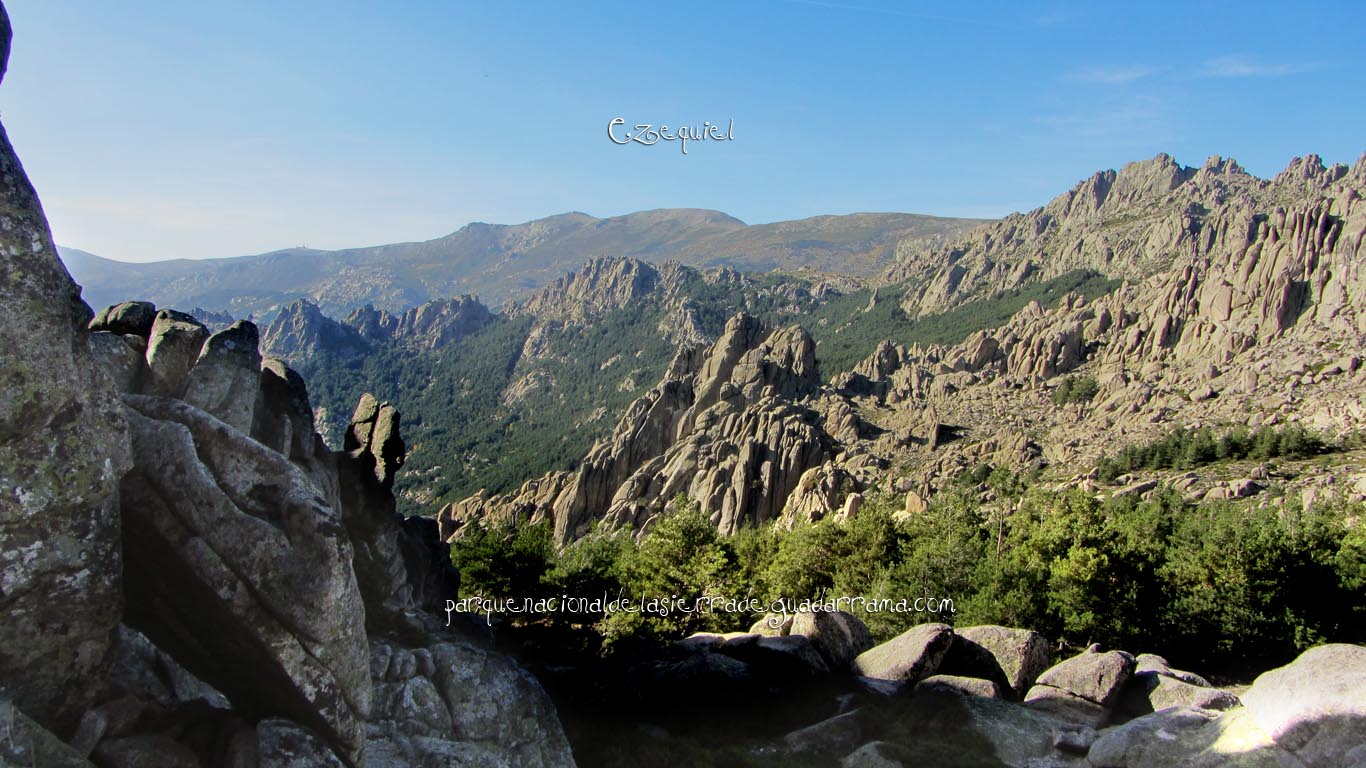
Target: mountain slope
point(498, 262)
point(1242, 303)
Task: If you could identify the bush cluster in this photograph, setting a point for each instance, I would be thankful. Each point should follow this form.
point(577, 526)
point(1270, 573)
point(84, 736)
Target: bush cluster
point(1221, 587)
point(1190, 448)
point(1075, 389)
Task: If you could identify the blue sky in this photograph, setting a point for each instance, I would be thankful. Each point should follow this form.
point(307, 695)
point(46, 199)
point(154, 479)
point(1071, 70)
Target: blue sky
point(168, 129)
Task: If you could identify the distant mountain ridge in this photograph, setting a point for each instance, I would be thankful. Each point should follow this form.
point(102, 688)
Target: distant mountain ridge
point(499, 262)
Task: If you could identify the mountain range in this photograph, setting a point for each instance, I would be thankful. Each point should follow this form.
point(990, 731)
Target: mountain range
point(500, 262)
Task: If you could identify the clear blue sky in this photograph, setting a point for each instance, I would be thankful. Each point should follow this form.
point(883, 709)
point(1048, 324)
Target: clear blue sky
point(170, 129)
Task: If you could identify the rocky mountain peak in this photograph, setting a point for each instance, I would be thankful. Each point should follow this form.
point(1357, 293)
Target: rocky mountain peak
point(1309, 173)
point(430, 325)
point(300, 330)
point(601, 285)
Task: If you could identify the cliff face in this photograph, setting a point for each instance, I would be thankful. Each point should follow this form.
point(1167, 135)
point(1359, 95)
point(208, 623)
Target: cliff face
point(188, 576)
point(1128, 223)
point(63, 446)
point(1247, 311)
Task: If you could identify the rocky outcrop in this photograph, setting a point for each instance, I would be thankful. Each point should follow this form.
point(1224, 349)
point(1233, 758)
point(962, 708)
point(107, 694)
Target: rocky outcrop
point(188, 577)
point(599, 286)
point(221, 532)
point(1013, 658)
point(428, 326)
point(1103, 223)
point(1233, 296)
point(734, 427)
point(838, 636)
point(250, 533)
point(1313, 708)
point(455, 703)
point(910, 706)
point(909, 657)
point(913, 711)
point(1306, 713)
point(131, 317)
point(1083, 689)
point(225, 378)
point(172, 350)
point(301, 331)
point(63, 446)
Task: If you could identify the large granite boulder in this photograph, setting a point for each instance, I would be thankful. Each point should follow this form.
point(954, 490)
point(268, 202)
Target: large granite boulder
point(125, 364)
point(26, 743)
point(283, 417)
point(172, 350)
point(1152, 692)
point(832, 736)
point(1013, 658)
point(129, 317)
point(1096, 677)
point(226, 376)
point(909, 657)
point(63, 446)
point(1314, 707)
point(963, 686)
point(456, 704)
point(243, 573)
point(1166, 737)
point(838, 636)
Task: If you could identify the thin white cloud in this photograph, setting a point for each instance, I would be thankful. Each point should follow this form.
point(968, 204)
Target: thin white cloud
point(886, 11)
point(1135, 120)
point(1111, 75)
point(1248, 66)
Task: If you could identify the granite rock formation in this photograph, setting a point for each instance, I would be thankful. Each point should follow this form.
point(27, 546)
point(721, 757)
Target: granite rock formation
point(736, 426)
point(427, 326)
point(63, 447)
point(188, 577)
point(300, 331)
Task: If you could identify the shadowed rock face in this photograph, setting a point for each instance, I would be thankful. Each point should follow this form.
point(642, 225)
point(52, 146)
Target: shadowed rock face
point(223, 533)
point(188, 577)
point(63, 447)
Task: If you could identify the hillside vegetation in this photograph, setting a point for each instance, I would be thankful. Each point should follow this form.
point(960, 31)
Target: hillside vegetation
point(1224, 586)
point(489, 413)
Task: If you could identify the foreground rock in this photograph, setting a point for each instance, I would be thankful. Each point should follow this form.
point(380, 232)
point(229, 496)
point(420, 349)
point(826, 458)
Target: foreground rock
point(1012, 657)
point(909, 657)
point(838, 636)
point(1308, 713)
point(189, 578)
point(222, 532)
point(1314, 708)
point(1095, 677)
point(62, 450)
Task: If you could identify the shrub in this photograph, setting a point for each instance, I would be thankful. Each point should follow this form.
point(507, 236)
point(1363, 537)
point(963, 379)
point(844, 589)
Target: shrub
point(1075, 389)
point(1186, 449)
